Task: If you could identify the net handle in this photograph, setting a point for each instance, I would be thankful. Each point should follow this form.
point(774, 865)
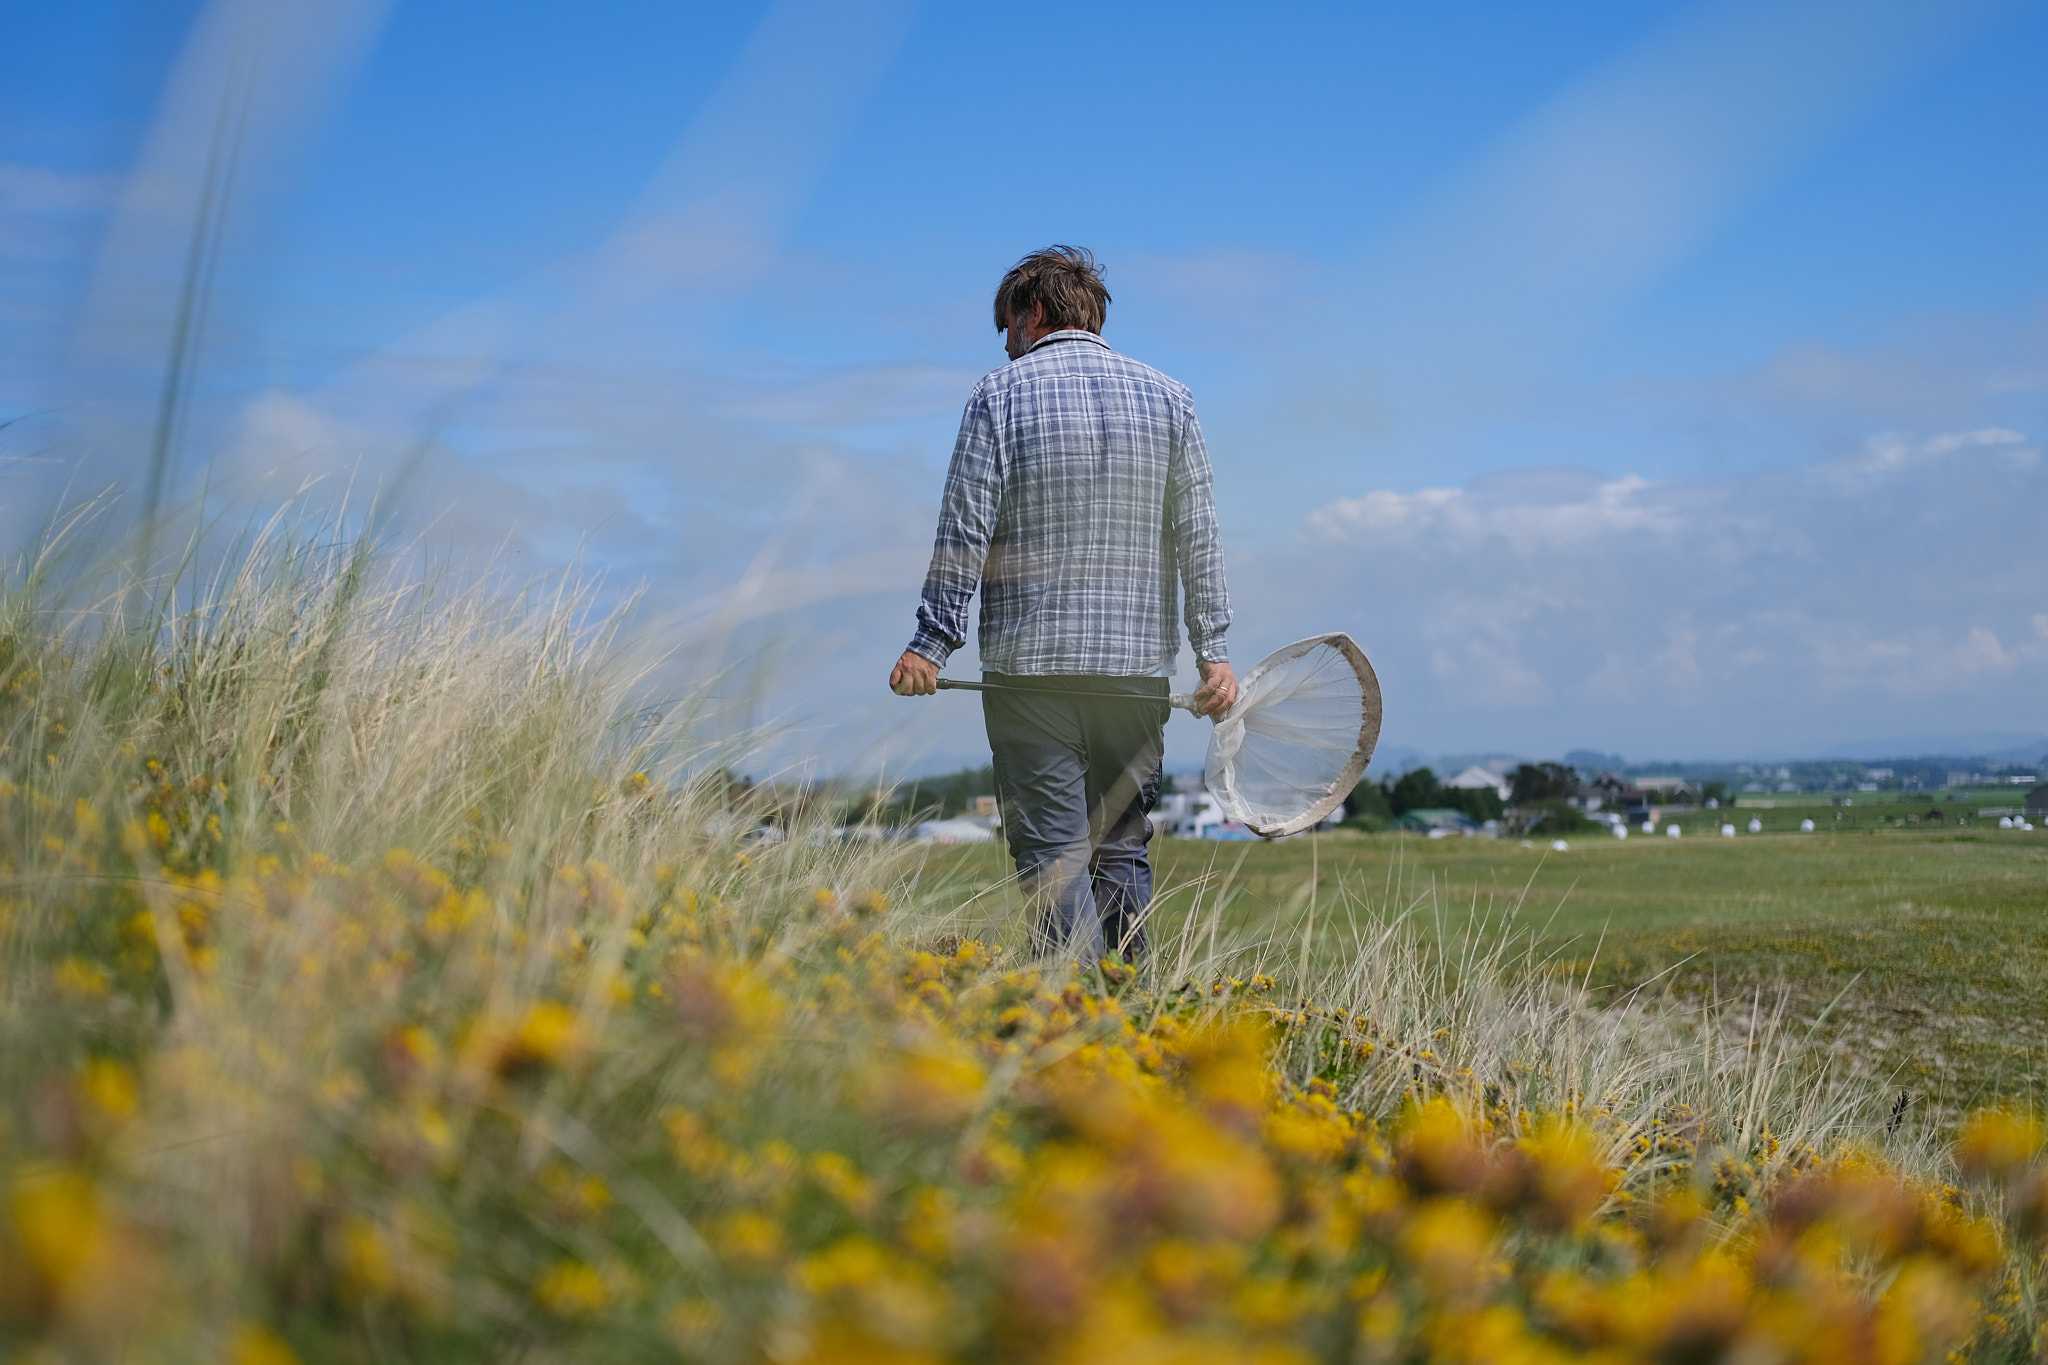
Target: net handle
point(1180, 701)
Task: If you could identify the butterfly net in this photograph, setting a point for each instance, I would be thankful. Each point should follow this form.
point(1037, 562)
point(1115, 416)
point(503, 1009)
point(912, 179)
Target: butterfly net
point(1299, 737)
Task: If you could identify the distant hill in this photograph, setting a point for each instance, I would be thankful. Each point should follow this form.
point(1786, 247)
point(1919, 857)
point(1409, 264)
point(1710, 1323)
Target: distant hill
point(2005, 747)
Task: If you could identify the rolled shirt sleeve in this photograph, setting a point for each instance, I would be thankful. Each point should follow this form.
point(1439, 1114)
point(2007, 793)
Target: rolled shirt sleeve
point(1197, 541)
point(967, 518)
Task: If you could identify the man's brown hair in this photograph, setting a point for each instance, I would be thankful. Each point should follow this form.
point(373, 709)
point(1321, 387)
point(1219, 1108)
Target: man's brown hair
point(1065, 280)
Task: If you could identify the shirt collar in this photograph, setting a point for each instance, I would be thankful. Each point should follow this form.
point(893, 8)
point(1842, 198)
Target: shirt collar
point(1067, 334)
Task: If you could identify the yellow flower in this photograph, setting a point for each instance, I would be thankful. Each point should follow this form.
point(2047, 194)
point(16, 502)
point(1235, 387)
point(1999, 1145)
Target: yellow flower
point(1451, 1245)
point(254, 1344)
point(363, 1257)
point(885, 1298)
point(838, 1177)
point(548, 1034)
point(79, 979)
point(1115, 970)
point(1562, 1176)
point(453, 912)
point(1695, 1311)
point(60, 1226)
point(928, 1222)
point(934, 1087)
point(109, 1088)
point(1996, 1143)
point(572, 1289)
point(691, 1320)
point(749, 1238)
point(1437, 1153)
point(1227, 1072)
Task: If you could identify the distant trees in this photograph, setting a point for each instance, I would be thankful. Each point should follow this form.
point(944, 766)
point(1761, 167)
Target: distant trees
point(922, 799)
point(1375, 805)
point(1481, 803)
point(1535, 783)
point(1368, 805)
point(1556, 817)
point(1416, 789)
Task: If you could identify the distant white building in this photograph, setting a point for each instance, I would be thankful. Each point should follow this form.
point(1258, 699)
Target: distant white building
point(1185, 815)
point(1476, 778)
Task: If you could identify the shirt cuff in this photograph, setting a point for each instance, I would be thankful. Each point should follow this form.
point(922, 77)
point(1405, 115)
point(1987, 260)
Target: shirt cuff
point(1212, 652)
point(931, 646)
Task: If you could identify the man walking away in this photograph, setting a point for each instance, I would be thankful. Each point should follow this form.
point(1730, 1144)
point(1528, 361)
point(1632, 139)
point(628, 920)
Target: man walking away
point(1079, 502)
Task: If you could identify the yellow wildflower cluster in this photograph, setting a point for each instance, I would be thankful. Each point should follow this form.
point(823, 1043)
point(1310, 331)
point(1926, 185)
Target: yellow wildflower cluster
point(283, 1108)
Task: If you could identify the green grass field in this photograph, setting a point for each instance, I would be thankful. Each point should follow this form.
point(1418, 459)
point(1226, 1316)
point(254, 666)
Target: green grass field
point(1918, 957)
point(1844, 812)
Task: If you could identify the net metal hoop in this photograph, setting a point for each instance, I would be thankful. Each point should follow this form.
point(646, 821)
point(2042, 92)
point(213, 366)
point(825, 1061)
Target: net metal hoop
point(1340, 787)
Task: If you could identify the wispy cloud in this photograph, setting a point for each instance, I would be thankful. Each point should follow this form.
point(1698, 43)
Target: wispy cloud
point(46, 192)
point(1891, 454)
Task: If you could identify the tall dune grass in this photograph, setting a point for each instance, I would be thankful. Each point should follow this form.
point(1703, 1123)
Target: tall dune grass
point(384, 975)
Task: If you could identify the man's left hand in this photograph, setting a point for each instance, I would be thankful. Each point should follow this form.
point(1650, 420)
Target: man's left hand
point(914, 676)
point(1218, 692)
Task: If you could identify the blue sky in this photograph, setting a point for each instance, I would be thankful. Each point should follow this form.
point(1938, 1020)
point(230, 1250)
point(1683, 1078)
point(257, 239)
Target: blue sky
point(1661, 378)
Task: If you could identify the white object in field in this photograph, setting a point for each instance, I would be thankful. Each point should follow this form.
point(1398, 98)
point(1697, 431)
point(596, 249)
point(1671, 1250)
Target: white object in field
point(1620, 831)
point(1756, 826)
point(1671, 831)
point(1806, 826)
point(955, 831)
point(1649, 826)
point(1299, 737)
point(2005, 822)
point(1559, 846)
point(1727, 831)
point(2023, 823)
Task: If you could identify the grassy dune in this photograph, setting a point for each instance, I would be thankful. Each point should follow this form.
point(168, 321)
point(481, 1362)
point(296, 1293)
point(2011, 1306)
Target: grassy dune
point(382, 978)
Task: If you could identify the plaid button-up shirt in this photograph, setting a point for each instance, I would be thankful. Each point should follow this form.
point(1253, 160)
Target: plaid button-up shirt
point(1079, 502)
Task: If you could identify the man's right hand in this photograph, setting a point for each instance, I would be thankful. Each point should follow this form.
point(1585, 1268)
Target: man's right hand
point(914, 676)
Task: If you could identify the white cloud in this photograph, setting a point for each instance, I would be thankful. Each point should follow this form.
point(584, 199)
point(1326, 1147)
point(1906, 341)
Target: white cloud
point(1916, 664)
point(1525, 512)
point(1891, 454)
point(1765, 611)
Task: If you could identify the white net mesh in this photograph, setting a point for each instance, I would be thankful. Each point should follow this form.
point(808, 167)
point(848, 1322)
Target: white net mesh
point(1299, 737)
